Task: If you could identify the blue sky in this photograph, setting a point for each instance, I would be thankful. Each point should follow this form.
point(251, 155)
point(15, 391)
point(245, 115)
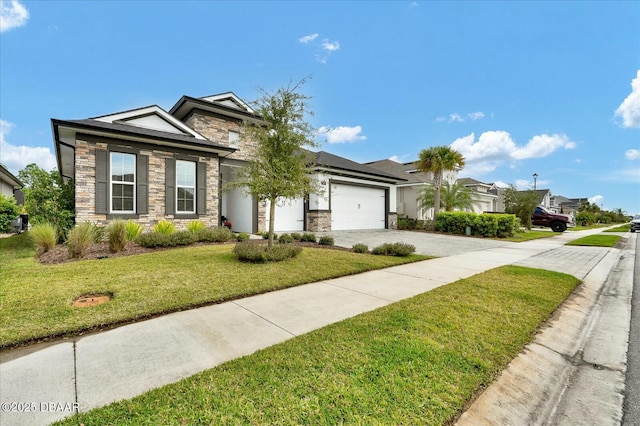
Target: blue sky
point(551, 88)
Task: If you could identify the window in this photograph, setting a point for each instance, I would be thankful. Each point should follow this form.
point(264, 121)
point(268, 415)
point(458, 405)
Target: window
point(234, 137)
point(123, 182)
point(186, 186)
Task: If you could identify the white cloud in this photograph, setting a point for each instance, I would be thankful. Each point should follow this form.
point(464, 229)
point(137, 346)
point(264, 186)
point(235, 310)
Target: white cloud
point(455, 117)
point(441, 119)
point(501, 184)
point(596, 199)
point(523, 184)
point(330, 46)
point(12, 15)
point(341, 134)
point(308, 38)
point(632, 154)
point(496, 147)
point(17, 157)
point(629, 109)
point(395, 158)
point(413, 4)
point(476, 115)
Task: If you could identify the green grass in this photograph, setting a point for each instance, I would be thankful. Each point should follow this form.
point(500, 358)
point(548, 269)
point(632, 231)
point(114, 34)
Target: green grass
point(418, 361)
point(621, 228)
point(583, 228)
point(528, 236)
point(596, 240)
point(35, 299)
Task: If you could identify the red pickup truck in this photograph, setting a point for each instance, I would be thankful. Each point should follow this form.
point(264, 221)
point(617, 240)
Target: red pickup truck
point(557, 222)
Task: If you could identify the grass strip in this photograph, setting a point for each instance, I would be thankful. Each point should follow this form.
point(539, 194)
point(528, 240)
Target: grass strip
point(596, 241)
point(528, 236)
point(418, 361)
point(35, 299)
point(621, 228)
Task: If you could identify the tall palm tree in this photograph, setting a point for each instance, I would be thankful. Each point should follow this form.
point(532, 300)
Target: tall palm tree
point(437, 160)
point(452, 196)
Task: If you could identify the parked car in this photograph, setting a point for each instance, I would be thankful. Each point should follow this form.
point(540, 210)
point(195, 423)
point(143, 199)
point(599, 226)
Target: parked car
point(556, 221)
point(635, 223)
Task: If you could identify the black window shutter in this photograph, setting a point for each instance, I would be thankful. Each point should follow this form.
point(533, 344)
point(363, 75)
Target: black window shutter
point(170, 186)
point(142, 184)
point(102, 182)
point(201, 188)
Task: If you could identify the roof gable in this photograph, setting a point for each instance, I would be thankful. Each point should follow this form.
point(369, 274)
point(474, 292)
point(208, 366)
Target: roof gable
point(151, 117)
point(229, 99)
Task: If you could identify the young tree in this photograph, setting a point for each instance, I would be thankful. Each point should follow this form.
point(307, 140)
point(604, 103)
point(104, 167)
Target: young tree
point(47, 197)
point(452, 196)
point(281, 169)
point(437, 160)
point(520, 203)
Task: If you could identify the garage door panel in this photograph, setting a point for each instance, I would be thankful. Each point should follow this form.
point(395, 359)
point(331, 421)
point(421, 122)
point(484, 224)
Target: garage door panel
point(357, 207)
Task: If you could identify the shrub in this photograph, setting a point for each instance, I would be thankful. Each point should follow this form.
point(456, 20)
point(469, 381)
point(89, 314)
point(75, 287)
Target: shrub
point(585, 218)
point(265, 236)
point(44, 235)
point(9, 210)
point(454, 222)
point(485, 225)
point(326, 240)
point(285, 239)
point(98, 233)
point(309, 238)
point(508, 225)
point(260, 253)
point(132, 230)
point(214, 235)
point(243, 236)
point(79, 239)
point(360, 248)
point(296, 236)
point(395, 249)
point(154, 239)
point(164, 227)
point(116, 234)
point(194, 226)
point(182, 238)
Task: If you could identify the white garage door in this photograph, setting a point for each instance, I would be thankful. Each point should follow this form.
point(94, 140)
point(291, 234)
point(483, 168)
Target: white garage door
point(289, 216)
point(357, 207)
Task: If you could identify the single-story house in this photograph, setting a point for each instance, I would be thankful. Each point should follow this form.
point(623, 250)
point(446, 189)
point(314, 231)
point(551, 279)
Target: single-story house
point(409, 191)
point(10, 186)
point(149, 164)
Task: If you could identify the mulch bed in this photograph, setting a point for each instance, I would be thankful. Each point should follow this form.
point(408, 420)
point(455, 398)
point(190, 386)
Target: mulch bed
point(60, 254)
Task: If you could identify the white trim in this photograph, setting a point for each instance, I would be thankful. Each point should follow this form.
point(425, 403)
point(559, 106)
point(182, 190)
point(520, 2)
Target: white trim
point(111, 182)
point(125, 116)
point(195, 181)
point(221, 97)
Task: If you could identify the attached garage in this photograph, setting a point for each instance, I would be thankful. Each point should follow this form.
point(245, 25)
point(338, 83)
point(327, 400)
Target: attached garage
point(289, 216)
point(357, 207)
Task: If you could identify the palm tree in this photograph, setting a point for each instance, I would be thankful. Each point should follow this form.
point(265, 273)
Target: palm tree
point(452, 196)
point(437, 160)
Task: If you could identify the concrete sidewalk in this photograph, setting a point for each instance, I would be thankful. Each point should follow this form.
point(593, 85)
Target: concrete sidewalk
point(90, 371)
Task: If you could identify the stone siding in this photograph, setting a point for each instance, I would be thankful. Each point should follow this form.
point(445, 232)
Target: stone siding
point(318, 221)
point(216, 129)
point(392, 221)
point(85, 184)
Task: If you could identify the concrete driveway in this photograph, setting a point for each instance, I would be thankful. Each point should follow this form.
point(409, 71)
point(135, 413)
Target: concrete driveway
point(426, 243)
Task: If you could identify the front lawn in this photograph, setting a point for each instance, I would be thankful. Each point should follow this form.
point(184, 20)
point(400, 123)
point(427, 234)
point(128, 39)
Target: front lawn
point(596, 240)
point(622, 228)
point(418, 361)
point(35, 299)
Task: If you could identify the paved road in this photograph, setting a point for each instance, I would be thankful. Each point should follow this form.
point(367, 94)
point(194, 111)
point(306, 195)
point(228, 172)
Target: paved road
point(632, 391)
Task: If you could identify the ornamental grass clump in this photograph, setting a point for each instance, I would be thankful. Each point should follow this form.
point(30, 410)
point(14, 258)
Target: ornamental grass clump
point(116, 234)
point(44, 235)
point(326, 240)
point(132, 231)
point(308, 238)
point(260, 253)
point(164, 227)
point(194, 226)
point(79, 239)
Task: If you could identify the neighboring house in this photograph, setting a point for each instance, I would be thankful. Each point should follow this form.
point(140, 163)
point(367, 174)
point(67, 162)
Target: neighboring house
point(485, 195)
point(10, 186)
point(544, 197)
point(149, 164)
point(564, 205)
point(409, 191)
